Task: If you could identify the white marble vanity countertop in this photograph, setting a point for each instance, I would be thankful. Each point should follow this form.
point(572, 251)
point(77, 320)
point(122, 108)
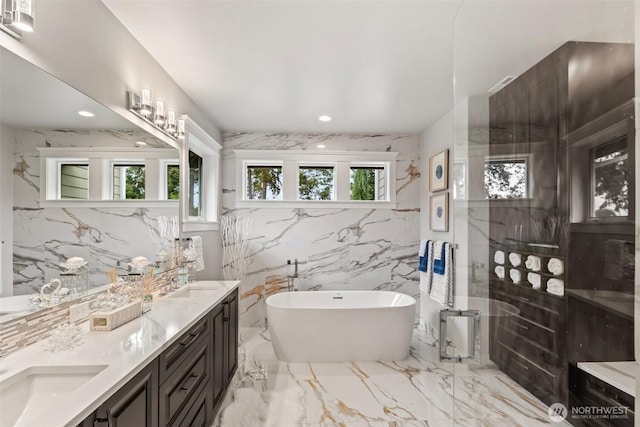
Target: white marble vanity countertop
point(621, 375)
point(125, 351)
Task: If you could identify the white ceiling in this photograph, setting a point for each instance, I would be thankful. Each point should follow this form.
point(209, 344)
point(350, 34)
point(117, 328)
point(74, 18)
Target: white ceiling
point(373, 66)
point(277, 66)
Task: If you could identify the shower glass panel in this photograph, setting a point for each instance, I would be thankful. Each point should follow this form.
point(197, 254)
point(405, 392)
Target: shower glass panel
point(543, 199)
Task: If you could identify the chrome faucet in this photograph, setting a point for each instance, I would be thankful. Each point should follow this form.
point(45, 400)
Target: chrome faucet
point(291, 275)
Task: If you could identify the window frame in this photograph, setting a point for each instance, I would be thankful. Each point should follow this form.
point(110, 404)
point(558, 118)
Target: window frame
point(291, 160)
point(262, 163)
point(59, 163)
point(125, 163)
point(592, 179)
point(503, 158)
point(318, 165)
point(201, 143)
point(100, 160)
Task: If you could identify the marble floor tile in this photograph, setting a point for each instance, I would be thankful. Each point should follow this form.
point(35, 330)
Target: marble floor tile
point(416, 392)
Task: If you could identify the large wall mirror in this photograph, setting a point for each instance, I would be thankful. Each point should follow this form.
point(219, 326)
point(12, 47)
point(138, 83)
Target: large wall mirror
point(96, 188)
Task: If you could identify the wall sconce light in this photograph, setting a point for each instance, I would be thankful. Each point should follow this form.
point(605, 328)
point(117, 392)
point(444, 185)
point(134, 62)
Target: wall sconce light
point(180, 129)
point(158, 117)
point(17, 16)
point(142, 106)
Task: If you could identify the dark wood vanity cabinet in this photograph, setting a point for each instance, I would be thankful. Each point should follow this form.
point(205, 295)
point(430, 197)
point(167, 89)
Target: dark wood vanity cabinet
point(588, 392)
point(186, 383)
point(134, 405)
point(185, 373)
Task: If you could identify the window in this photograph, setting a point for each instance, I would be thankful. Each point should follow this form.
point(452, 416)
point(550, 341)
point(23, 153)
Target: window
point(264, 182)
point(315, 183)
point(367, 183)
point(108, 176)
point(173, 181)
point(195, 184)
point(610, 179)
point(304, 178)
point(506, 178)
point(128, 181)
point(74, 181)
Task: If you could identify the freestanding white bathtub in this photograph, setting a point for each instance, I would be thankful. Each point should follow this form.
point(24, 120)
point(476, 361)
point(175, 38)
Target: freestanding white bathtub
point(332, 326)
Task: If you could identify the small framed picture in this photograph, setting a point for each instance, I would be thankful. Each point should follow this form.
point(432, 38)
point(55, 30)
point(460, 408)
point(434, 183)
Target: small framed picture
point(439, 171)
point(439, 210)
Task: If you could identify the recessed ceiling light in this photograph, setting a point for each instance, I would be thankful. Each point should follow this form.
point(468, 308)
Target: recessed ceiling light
point(84, 113)
point(324, 118)
point(320, 145)
point(140, 144)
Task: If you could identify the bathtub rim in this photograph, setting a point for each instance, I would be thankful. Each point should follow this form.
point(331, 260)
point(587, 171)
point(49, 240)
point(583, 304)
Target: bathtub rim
point(271, 301)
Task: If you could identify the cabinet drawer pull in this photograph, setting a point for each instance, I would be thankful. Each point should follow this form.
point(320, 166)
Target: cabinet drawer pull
point(101, 422)
point(186, 387)
point(226, 319)
point(225, 302)
point(522, 365)
point(517, 298)
point(519, 325)
point(190, 340)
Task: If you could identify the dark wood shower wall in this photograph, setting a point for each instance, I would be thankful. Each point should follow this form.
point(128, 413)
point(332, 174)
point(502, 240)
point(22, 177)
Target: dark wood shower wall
point(544, 116)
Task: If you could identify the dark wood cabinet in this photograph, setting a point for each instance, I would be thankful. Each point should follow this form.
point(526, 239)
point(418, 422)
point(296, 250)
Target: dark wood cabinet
point(588, 394)
point(560, 101)
point(528, 344)
point(185, 385)
point(134, 405)
point(231, 330)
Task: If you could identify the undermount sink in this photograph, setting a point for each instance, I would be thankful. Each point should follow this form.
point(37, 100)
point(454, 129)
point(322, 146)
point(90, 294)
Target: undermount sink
point(28, 389)
point(192, 292)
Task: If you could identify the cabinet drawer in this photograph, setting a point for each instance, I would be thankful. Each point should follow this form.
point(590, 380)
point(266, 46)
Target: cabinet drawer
point(541, 335)
point(532, 311)
point(176, 355)
point(541, 382)
point(532, 350)
point(182, 387)
point(199, 414)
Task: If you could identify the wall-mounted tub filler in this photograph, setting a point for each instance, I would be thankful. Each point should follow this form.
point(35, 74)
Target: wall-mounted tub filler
point(292, 274)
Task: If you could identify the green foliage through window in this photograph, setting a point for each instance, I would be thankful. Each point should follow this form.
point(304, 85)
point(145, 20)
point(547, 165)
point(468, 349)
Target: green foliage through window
point(315, 183)
point(264, 182)
point(128, 182)
point(173, 182)
point(364, 182)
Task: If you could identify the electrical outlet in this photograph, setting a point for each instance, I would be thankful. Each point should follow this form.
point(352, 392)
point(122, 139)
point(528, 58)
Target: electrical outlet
point(79, 311)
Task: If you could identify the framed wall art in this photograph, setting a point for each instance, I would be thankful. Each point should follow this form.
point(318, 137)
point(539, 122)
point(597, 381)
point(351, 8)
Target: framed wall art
point(439, 171)
point(439, 212)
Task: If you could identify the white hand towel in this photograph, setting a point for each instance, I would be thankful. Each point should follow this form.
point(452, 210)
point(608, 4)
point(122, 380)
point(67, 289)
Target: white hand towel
point(555, 287)
point(556, 266)
point(442, 286)
point(515, 275)
point(196, 241)
point(534, 279)
point(533, 263)
point(515, 259)
point(437, 248)
point(426, 277)
point(421, 249)
point(498, 257)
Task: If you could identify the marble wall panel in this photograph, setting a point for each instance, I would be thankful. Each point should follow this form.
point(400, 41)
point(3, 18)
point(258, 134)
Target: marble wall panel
point(45, 237)
point(337, 249)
